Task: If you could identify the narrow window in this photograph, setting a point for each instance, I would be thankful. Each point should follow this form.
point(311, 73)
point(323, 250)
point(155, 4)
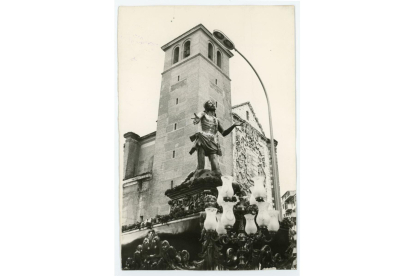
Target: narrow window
point(216, 104)
point(210, 51)
point(176, 54)
point(247, 115)
point(218, 59)
point(175, 126)
point(176, 101)
point(173, 153)
point(216, 81)
point(142, 218)
point(187, 49)
point(178, 78)
point(172, 184)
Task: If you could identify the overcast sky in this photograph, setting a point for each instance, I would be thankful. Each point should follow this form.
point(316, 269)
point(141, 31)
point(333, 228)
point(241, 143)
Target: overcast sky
point(265, 35)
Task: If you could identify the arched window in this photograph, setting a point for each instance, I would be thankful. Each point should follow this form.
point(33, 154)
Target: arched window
point(187, 49)
point(176, 54)
point(247, 115)
point(210, 51)
point(218, 59)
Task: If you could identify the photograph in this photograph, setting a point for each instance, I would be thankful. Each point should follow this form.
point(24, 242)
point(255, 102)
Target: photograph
point(207, 137)
point(228, 132)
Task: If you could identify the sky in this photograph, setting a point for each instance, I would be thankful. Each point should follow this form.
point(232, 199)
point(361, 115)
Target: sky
point(265, 35)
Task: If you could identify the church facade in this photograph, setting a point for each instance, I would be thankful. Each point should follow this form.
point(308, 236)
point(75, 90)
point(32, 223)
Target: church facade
point(196, 69)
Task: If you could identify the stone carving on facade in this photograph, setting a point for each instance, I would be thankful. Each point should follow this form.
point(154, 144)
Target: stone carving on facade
point(249, 156)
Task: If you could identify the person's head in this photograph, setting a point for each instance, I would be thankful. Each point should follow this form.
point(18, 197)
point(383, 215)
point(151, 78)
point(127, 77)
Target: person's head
point(209, 106)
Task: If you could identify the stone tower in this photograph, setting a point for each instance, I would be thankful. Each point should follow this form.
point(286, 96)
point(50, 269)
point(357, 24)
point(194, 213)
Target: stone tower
point(196, 69)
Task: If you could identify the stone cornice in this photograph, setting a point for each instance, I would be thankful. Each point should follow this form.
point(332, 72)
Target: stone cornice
point(196, 28)
point(190, 58)
point(129, 181)
point(148, 135)
point(132, 135)
point(137, 138)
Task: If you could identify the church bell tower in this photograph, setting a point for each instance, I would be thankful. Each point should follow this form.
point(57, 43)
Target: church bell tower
point(196, 69)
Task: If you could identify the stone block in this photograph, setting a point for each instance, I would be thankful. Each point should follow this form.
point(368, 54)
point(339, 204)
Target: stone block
point(181, 123)
point(169, 170)
point(163, 108)
point(177, 134)
point(175, 117)
point(179, 152)
point(169, 128)
point(178, 85)
point(169, 146)
point(145, 185)
point(172, 164)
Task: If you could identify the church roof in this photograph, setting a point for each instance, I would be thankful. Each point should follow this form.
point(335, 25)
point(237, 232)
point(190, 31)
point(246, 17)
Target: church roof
point(254, 114)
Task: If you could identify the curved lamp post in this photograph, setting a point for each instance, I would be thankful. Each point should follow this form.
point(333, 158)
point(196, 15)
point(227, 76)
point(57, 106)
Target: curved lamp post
point(226, 42)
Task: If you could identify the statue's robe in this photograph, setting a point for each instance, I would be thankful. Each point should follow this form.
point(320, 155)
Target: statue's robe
point(207, 138)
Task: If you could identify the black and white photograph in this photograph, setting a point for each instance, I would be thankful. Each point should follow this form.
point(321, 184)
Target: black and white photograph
point(198, 137)
point(207, 131)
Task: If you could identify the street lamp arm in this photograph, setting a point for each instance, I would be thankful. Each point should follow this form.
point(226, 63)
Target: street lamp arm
point(277, 195)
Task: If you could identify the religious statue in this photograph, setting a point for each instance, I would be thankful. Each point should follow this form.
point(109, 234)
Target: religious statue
point(206, 140)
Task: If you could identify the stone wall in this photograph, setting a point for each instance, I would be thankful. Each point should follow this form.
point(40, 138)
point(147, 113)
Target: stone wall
point(145, 157)
point(174, 126)
point(139, 152)
point(251, 157)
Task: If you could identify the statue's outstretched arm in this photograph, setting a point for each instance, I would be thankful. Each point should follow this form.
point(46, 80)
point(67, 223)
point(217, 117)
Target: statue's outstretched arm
point(197, 117)
point(230, 129)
